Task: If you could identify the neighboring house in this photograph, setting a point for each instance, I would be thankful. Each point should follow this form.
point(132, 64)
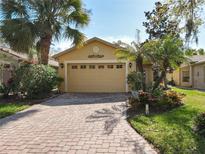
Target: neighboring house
point(9, 60)
point(95, 68)
point(192, 73)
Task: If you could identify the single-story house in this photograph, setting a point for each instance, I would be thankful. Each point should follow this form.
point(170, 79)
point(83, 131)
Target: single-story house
point(191, 74)
point(95, 68)
point(9, 60)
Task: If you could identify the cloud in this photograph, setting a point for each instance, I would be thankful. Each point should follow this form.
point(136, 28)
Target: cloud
point(61, 45)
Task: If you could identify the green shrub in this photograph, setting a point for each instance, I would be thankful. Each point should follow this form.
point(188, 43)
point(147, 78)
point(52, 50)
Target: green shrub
point(6, 88)
point(170, 99)
point(200, 124)
point(175, 97)
point(35, 81)
point(158, 100)
point(135, 80)
point(146, 97)
point(142, 98)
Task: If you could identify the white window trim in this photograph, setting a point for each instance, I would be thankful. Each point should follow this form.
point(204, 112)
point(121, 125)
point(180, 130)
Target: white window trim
point(95, 62)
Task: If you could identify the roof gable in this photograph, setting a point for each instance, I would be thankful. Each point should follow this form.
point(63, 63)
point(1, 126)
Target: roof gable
point(84, 44)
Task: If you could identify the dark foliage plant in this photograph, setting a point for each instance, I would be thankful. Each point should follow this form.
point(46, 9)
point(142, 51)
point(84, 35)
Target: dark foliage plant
point(200, 124)
point(6, 88)
point(159, 99)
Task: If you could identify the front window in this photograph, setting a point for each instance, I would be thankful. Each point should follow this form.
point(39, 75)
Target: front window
point(92, 66)
point(185, 76)
point(110, 66)
point(74, 67)
point(101, 67)
point(83, 66)
point(119, 66)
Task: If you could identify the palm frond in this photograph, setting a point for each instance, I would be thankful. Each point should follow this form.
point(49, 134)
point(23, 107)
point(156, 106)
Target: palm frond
point(13, 8)
point(75, 35)
point(19, 34)
point(123, 54)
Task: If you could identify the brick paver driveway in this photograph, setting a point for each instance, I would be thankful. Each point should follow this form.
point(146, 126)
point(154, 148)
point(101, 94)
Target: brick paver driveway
point(73, 123)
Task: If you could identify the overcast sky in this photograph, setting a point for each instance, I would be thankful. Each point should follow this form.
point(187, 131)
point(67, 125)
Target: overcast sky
point(115, 20)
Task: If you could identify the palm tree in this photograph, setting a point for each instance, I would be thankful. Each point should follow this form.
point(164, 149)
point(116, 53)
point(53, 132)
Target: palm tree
point(132, 52)
point(29, 24)
point(166, 54)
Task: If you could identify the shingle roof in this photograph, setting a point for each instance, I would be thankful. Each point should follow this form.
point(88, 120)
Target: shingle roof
point(197, 58)
point(14, 54)
point(24, 57)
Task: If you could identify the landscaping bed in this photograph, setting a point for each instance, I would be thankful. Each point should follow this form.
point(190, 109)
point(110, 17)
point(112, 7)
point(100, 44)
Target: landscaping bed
point(173, 131)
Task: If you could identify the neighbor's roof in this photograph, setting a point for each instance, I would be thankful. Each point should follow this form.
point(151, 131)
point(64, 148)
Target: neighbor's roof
point(15, 55)
point(197, 58)
point(86, 42)
point(24, 57)
point(194, 60)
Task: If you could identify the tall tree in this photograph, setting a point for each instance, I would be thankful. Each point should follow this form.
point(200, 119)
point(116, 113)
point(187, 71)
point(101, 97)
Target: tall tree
point(166, 54)
point(192, 52)
point(189, 14)
point(159, 23)
point(28, 24)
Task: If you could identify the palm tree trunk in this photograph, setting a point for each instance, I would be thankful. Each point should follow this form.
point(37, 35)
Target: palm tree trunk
point(44, 47)
point(159, 80)
point(165, 82)
point(139, 62)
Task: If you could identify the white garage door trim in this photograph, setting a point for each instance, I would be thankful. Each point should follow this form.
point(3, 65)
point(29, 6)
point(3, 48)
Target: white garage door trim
point(93, 61)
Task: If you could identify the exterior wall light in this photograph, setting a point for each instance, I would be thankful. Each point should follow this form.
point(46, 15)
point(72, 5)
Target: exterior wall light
point(61, 65)
point(130, 65)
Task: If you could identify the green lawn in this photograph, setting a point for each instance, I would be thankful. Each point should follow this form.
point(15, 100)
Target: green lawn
point(172, 132)
point(7, 109)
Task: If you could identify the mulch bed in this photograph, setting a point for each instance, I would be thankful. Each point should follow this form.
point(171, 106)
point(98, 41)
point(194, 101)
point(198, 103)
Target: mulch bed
point(16, 99)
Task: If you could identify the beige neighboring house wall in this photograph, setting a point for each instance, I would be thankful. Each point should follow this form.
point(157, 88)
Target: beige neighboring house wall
point(191, 74)
point(199, 76)
point(185, 76)
point(94, 68)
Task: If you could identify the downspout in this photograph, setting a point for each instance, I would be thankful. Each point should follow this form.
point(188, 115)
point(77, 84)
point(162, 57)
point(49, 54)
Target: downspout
point(191, 77)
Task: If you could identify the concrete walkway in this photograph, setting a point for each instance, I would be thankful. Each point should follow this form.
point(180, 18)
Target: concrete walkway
point(73, 123)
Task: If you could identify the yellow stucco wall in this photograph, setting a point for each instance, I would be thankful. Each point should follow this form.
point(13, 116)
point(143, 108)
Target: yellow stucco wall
point(81, 54)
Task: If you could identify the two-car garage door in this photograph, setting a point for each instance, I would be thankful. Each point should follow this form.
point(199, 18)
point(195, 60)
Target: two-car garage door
point(109, 77)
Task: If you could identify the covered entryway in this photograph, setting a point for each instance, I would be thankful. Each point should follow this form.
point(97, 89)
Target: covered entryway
point(96, 77)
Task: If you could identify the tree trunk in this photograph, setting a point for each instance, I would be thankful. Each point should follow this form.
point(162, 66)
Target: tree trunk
point(139, 62)
point(159, 80)
point(44, 47)
point(165, 82)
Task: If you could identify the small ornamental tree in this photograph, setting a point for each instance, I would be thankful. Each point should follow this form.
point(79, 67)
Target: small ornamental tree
point(166, 54)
